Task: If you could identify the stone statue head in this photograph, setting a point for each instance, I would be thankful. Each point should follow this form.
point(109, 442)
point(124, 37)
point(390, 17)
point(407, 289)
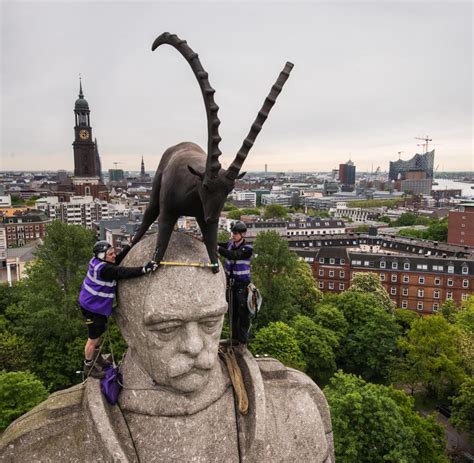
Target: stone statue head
point(172, 319)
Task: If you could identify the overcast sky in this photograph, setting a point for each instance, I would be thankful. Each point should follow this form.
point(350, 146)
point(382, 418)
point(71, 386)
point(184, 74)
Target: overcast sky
point(368, 78)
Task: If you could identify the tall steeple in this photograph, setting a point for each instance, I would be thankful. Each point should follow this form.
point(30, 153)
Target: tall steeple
point(142, 170)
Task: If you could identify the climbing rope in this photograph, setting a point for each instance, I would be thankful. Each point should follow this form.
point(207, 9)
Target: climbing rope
point(189, 264)
point(236, 377)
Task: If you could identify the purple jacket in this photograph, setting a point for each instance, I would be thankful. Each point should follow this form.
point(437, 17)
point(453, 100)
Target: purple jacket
point(237, 261)
point(97, 295)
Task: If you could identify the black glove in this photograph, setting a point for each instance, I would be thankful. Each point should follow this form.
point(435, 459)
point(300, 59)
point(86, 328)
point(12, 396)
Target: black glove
point(150, 267)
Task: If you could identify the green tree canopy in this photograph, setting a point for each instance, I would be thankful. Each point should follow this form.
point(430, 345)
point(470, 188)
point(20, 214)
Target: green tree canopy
point(286, 283)
point(275, 211)
point(318, 346)
point(19, 392)
point(330, 317)
point(46, 313)
point(374, 423)
point(406, 219)
point(369, 283)
point(463, 407)
point(369, 347)
point(405, 317)
point(278, 340)
point(431, 357)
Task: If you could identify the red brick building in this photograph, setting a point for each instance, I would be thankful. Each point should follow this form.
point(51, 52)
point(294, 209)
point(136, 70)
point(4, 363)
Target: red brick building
point(413, 282)
point(21, 229)
point(417, 274)
point(461, 225)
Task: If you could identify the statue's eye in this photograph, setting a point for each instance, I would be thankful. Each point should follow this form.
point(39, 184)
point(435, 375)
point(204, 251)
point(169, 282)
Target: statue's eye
point(168, 330)
point(210, 324)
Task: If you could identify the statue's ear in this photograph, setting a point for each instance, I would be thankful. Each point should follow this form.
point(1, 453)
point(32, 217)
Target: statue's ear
point(241, 175)
point(195, 172)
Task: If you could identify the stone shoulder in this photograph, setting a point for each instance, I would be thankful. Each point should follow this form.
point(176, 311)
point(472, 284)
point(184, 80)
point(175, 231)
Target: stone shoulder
point(56, 414)
point(274, 371)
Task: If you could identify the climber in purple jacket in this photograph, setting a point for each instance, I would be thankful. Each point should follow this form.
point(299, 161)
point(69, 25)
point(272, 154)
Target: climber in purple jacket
point(97, 296)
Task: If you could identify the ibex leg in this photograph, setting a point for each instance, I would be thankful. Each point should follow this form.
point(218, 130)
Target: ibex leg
point(152, 211)
point(165, 228)
point(209, 235)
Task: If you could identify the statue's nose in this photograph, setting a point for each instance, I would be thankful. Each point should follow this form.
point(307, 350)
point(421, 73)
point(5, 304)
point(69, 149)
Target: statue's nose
point(191, 339)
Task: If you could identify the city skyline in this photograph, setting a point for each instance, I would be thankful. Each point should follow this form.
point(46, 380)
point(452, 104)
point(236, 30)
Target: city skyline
point(368, 79)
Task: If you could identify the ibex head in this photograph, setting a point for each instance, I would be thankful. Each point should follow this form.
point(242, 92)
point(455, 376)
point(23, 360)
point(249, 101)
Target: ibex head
point(216, 183)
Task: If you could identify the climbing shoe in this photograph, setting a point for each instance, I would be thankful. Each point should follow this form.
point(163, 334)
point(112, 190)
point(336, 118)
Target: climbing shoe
point(93, 369)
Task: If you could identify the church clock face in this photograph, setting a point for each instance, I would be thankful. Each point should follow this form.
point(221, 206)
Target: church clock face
point(84, 134)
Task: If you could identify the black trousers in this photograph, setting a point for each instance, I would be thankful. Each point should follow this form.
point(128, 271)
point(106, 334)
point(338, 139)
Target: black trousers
point(239, 314)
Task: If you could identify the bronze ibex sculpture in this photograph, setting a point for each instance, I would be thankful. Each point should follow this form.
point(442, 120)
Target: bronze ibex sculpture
point(189, 182)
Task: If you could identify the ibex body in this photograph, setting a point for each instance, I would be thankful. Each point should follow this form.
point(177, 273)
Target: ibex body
point(190, 181)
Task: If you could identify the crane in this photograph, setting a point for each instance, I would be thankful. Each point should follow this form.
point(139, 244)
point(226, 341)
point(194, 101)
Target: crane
point(115, 164)
point(427, 139)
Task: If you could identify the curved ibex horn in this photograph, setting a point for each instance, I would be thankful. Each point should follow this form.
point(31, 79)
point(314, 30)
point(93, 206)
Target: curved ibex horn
point(213, 139)
point(234, 168)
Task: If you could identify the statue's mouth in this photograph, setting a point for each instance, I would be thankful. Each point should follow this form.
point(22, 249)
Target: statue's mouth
point(194, 370)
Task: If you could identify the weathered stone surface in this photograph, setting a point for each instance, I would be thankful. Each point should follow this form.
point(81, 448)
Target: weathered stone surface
point(178, 403)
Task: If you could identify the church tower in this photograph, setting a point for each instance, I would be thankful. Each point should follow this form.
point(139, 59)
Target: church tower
point(142, 169)
point(87, 170)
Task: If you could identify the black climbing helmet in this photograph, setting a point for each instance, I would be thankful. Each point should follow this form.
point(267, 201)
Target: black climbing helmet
point(100, 248)
point(238, 227)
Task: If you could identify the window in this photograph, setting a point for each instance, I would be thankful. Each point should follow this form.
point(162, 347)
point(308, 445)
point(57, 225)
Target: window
point(394, 265)
point(406, 266)
point(341, 286)
point(465, 270)
point(382, 264)
point(321, 285)
point(342, 274)
point(438, 268)
point(419, 305)
point(436, 294)
point(332, 260)
point(406, 279)
point(421, 280)
point(437, 281)
point(435, 307)
point(321, 273)
point(464, 297)
point(422, 267)
point(321, 260)
point(331, 285)
point(343, 261)
point(465, 283)
point(366, 263)
point(450, 282)
point(393, 291)
point(449, 296)
point(404, 304)
point(450, 268)
point(394, 277)
point(405, 291)
point(382, 277)
point(421, 293)
point(331, 273)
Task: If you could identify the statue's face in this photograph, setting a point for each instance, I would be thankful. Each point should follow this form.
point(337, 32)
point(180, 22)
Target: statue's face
point(181, 349)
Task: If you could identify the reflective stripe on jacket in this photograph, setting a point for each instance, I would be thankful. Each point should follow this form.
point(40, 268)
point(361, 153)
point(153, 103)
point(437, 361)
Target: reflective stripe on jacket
point(97, 295)
point(239, 270)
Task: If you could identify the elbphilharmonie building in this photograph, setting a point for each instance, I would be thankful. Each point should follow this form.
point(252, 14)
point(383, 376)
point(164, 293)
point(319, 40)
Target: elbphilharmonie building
point(423, 162)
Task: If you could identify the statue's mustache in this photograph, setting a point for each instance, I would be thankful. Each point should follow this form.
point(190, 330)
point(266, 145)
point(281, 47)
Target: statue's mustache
point(185, 364)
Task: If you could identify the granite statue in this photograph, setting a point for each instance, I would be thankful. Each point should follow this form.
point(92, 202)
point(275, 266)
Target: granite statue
point(178, 403)
point(190, 181)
